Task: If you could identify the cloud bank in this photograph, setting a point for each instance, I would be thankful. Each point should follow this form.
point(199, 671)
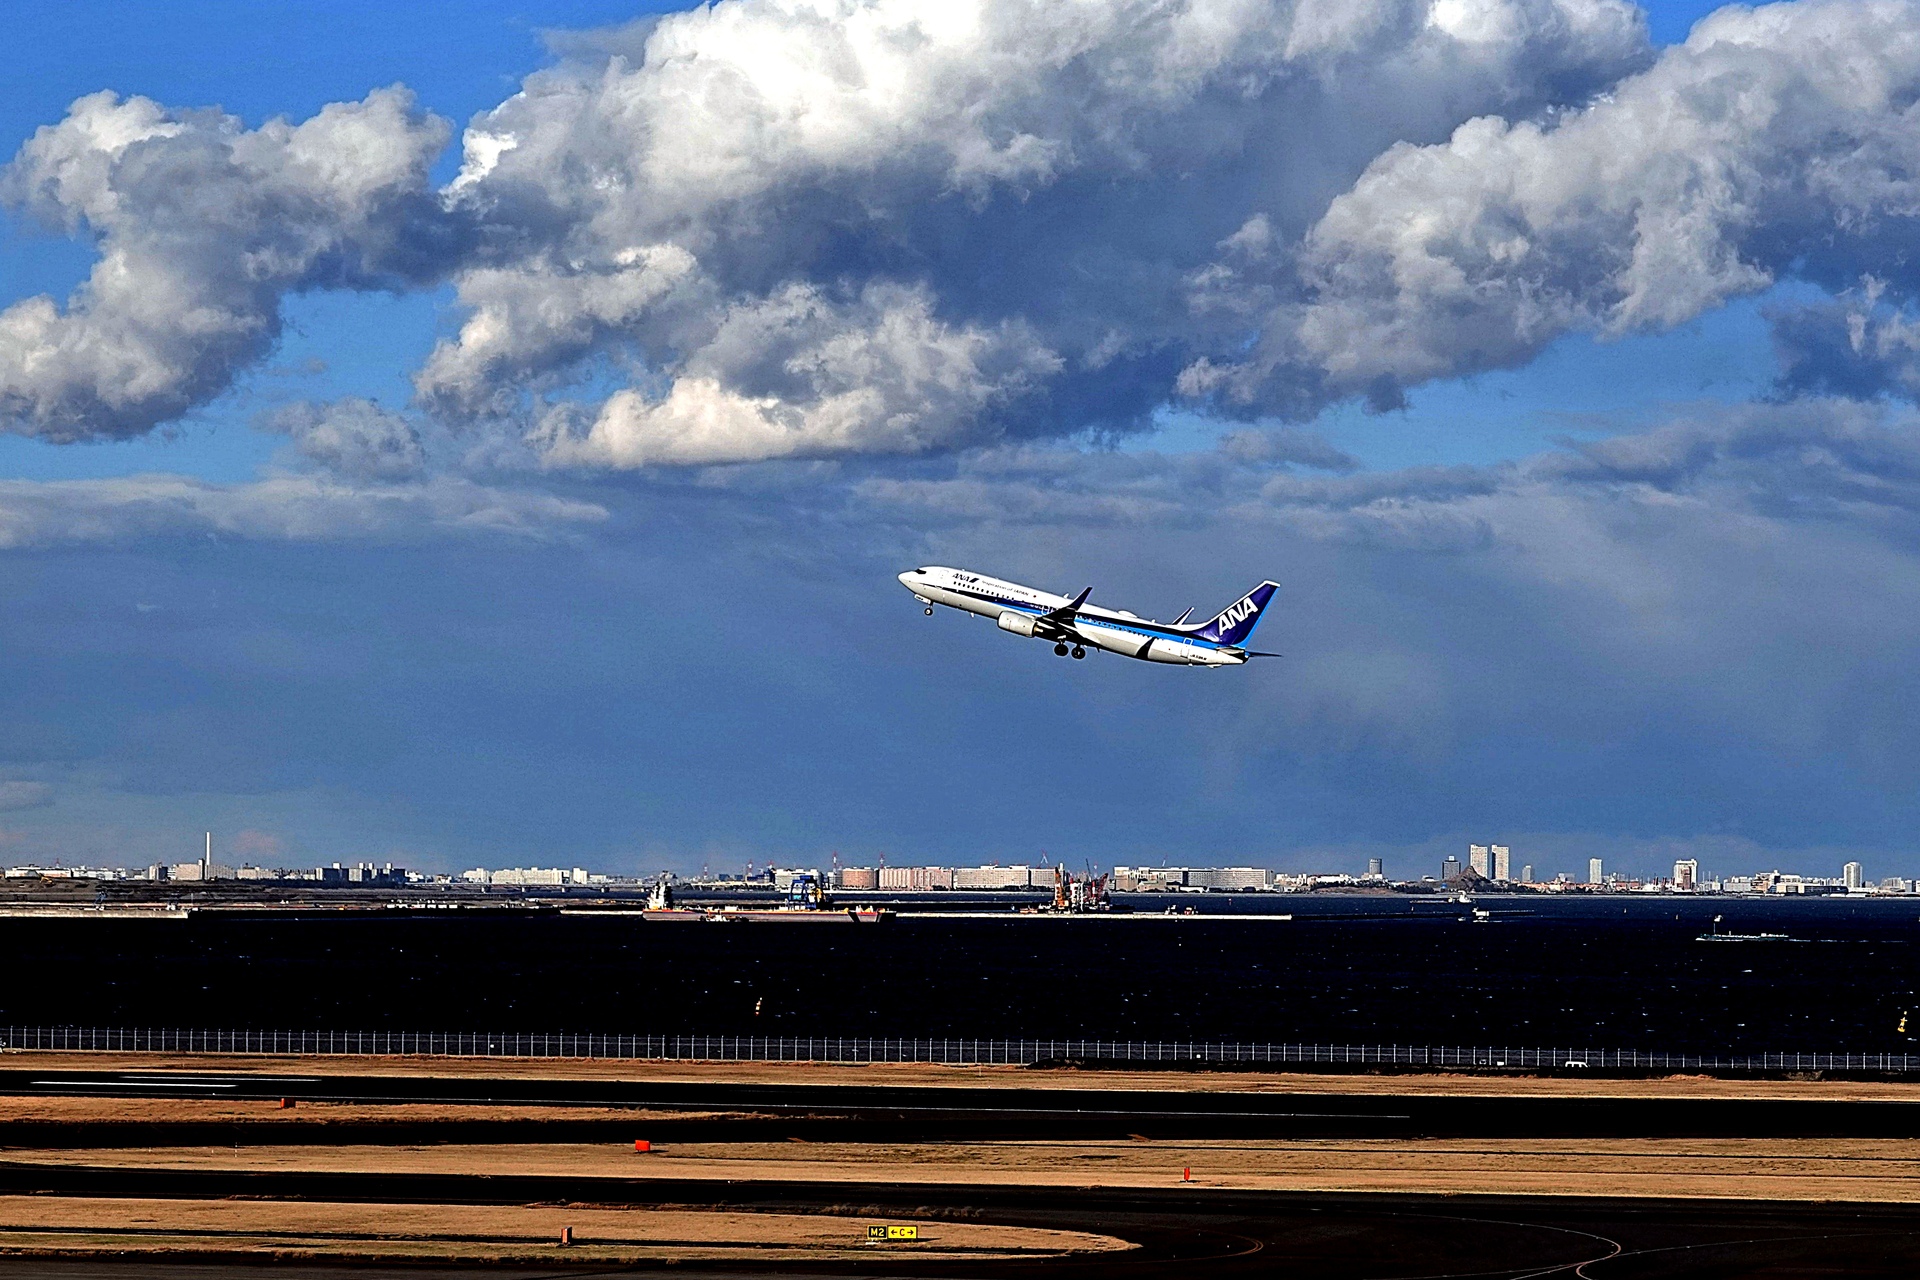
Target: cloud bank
point(1732, 596)
point(800, 229)
point(296, 508)
point(781, 228)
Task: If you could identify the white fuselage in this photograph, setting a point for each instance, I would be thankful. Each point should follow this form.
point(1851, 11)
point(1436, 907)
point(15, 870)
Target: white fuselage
point(1023, 611)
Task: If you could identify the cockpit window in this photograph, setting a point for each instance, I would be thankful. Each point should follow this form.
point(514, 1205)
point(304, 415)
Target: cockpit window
point(923, 572)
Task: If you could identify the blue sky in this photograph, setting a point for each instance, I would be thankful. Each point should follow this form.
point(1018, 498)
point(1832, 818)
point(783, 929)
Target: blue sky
point(547, 509)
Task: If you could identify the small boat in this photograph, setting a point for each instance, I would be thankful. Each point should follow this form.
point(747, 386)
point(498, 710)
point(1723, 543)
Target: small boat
point(1716, 936)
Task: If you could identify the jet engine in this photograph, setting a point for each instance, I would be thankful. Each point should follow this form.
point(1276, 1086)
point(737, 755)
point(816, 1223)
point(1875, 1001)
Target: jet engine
point(1021, 624)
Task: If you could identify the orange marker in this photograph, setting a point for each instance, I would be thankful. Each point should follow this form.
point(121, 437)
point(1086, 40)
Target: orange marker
point(641, 1144)
point(1186, 1175)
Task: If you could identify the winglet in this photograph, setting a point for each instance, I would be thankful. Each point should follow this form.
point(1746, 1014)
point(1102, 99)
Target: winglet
point(1066, 611)
point(1184, 614)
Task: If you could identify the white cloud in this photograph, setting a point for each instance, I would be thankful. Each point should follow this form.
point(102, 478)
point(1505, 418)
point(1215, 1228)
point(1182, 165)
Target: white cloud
point(24, 795)
point(799, 375)
point(1776, 139)
point(1039, 174)
point(955, 222)
point(203, 227)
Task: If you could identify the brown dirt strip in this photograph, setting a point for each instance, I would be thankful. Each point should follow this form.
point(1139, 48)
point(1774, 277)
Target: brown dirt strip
point(364, 1232)
point(55, 1109)
point(1741, 1169)
point(927, 1074)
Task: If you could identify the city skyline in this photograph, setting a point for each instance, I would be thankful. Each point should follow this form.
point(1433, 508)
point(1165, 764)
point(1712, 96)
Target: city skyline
point(434, 503)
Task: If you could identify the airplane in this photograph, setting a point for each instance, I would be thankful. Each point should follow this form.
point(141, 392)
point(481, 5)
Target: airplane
point(1072, 624)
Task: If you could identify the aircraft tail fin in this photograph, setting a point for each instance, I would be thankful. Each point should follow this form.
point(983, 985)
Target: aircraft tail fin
point(1237, 621)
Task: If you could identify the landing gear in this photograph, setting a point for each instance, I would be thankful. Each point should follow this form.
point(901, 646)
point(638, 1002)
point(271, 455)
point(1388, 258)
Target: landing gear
point(1078, 652)
point(1060, 650)
point(929, 611)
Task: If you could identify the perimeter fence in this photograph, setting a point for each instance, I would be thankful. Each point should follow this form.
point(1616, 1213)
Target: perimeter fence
point(957, 1052)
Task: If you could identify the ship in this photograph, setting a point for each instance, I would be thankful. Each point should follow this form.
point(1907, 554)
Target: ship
point(1714, 935)
point(806, 904)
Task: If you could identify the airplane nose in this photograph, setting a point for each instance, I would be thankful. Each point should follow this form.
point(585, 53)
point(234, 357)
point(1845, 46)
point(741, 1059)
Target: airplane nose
point(906, 579)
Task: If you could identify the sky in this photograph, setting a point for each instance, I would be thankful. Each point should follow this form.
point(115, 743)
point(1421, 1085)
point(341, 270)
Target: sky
point(488, 434)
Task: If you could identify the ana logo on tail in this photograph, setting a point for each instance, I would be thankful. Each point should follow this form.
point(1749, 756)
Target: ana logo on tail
point(1237, 621)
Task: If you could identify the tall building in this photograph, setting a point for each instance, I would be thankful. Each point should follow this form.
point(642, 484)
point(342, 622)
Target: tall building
point(1686, 873)
point(1375, 867)
point(1502, 862)
point(1480, 859)
point(1450, 869)
point(1526, 874)
point(1593, 871)
point(1854, 876)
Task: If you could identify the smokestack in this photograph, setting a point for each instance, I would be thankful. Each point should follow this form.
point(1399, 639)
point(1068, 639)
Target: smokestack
point(206, 863)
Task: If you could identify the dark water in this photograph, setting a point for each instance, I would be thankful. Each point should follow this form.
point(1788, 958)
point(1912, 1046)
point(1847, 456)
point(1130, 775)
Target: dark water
point(1599, 972)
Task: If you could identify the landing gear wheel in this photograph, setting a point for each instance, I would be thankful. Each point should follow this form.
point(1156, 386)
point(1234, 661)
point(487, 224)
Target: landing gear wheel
point(1060, 650)
point(1078, 652)
point(929, 611)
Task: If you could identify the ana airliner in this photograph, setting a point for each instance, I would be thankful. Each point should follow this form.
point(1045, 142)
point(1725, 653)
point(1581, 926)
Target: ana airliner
point(1071, 624)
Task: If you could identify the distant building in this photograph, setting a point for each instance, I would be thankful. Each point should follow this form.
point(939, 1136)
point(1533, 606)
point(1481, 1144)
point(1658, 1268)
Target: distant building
point(1686, 874)
point(1896, 884)
point(1480, 858)
point(1526, 874)
point(1595, 872)
point(858, 878)
point(521, 877)
point(1450, 868)
point(1502, 862)
point(1853, 876)
point(991, 877)
point(1375, 867)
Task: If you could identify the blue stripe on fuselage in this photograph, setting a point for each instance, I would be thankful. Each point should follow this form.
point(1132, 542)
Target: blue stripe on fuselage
point(1133, 628)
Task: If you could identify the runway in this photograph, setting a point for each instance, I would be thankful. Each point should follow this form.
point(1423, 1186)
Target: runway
point(1337, 1183)
point(1177, 1232)
point(1158, 1108)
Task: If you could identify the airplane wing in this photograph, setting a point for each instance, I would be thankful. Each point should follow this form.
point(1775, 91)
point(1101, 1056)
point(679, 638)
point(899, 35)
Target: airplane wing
point(1057, 624)
point(1066, 612)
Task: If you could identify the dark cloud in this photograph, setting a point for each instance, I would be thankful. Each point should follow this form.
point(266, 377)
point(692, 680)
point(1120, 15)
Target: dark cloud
point(353, 437)
point(1708, 631)
point(1856, 345)
point(1735, 582)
